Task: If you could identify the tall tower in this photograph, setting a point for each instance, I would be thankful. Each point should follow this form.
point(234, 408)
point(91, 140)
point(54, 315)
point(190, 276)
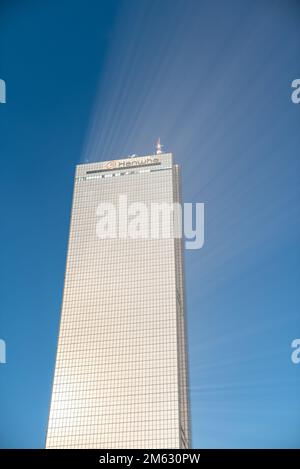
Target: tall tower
point(121, 367)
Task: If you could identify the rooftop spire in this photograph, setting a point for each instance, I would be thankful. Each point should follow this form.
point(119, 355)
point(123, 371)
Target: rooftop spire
point(158, 147)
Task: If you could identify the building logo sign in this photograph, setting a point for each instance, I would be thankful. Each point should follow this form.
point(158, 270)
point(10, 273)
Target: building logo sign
point(131, 162)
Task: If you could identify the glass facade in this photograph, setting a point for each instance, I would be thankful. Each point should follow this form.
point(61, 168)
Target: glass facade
point(121, 368)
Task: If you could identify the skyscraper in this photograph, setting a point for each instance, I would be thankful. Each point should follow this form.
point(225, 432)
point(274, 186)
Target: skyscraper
point(121, 368)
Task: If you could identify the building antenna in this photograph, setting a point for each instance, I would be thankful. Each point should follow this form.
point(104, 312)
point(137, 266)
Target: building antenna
point(159, 147)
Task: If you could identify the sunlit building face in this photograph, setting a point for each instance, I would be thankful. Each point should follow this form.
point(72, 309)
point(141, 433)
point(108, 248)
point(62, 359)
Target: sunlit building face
point(121, 368)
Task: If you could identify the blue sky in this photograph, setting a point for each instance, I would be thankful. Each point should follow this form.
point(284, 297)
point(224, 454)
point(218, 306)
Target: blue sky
point(97, 80)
